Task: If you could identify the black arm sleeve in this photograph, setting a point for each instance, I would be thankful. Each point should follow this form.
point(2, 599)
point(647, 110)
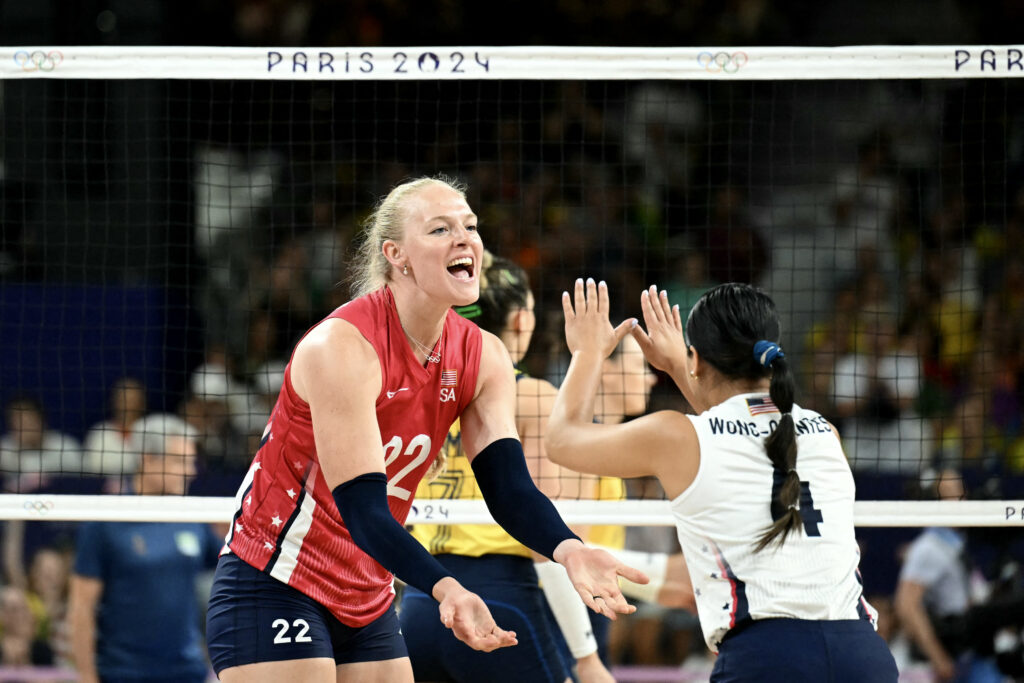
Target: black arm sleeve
point(363, 504)
point(514, 500)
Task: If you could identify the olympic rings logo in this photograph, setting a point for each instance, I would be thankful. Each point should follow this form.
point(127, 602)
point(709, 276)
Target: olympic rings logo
point(40, 507)
point(37, 60)
point(722, 62)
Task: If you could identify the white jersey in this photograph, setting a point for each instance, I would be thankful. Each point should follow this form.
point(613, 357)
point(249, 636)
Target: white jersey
point(726, 509)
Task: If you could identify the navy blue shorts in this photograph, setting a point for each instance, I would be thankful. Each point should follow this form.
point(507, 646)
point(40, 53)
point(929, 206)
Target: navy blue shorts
point(799, 651)
point(508, 585)
point(253, 617)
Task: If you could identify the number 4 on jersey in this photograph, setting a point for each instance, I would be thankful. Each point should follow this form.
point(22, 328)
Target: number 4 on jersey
point(810, 515)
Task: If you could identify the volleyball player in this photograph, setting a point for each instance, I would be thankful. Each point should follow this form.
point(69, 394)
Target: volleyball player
point(759, 487)
point(304, 590)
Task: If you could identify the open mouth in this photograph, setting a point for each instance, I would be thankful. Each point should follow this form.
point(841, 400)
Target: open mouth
point(461, 268)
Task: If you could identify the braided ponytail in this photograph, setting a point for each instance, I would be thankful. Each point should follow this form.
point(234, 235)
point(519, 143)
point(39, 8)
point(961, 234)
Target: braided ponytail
point(781, 448)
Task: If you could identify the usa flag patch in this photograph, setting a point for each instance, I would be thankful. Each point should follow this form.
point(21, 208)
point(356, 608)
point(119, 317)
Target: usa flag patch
point(761, 405)
point(449, 378)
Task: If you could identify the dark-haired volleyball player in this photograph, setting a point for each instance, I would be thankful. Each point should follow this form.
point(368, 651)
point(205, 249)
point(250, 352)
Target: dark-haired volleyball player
point(759, 487)
point(304, 589)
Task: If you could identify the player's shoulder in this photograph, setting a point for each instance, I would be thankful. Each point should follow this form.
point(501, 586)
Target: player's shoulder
point(333, 348)
point(494, 355)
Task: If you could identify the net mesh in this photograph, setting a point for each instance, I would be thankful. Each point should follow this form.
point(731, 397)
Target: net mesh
point(174, 219)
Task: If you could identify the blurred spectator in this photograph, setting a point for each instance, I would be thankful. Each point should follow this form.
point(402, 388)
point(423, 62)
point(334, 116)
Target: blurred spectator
point(948, 262)
point(736, 250)
point(106, 443)
point(661, 135)
point(828, 340)
point(48, 599)
point(866, 209)
point(687, 274)
point(283, 291)
point(266, 382)
point(944, 604)
point(215, 406)
point(874, 390)
point(134, 613)
point(29, 452)
point(19, 642)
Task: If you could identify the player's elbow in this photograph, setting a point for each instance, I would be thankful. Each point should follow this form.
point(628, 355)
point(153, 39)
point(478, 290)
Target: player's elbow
point(557, 445)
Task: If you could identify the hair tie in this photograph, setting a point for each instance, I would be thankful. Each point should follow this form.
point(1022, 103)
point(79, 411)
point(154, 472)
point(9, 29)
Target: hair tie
point(471, 311)
point(765, 352)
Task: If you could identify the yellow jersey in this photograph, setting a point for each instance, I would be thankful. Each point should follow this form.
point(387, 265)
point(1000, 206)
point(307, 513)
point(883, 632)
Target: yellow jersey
point(609, 535)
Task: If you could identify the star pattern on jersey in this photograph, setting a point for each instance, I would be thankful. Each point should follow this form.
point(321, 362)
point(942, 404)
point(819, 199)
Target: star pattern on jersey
point(291, 493)
point(238, 526)
point(696, 591)
point(297, 465)
point(248, 499)
point(256, 466)
point(276, 521)
point(268, 545)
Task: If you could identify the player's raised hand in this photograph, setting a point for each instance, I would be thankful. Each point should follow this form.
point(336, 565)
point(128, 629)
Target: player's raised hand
point(595, 575)
point(662, 343)
point(469, 619)
point(587, 327)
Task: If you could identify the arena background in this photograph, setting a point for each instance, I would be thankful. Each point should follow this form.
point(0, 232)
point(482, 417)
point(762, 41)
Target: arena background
point(164, 228)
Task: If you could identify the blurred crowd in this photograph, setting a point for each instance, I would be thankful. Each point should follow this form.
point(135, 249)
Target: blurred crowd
point(884, 218)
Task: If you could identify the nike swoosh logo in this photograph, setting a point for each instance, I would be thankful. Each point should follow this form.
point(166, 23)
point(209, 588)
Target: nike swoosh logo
point(391, 394)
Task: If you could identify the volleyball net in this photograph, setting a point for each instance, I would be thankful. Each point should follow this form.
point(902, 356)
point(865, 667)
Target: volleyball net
point(175, 218)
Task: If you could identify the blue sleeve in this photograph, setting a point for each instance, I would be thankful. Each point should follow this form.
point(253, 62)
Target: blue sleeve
point(90, 550)
point(514, 500)
point(363, 504)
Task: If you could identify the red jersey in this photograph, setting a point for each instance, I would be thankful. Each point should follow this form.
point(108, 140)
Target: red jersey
point(286, 522)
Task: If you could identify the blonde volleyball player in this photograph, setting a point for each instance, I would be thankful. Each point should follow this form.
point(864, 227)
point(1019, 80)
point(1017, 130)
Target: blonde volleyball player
point(759, 487)
point(303, 590)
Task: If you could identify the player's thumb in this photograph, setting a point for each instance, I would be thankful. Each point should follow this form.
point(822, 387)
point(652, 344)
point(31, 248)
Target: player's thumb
point(624, 328)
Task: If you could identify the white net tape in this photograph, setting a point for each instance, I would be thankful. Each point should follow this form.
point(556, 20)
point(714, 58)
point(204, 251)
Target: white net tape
point(510, 63)
point(977, 513)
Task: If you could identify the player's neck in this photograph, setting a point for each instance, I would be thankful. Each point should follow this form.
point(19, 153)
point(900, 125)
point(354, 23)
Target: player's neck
point(721, 389)
point(421, 317)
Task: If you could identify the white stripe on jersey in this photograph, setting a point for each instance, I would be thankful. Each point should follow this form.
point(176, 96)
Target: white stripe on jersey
point(291, 542)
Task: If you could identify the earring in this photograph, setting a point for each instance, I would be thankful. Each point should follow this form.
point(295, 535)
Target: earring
point(693, 375)
point(405, 269)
